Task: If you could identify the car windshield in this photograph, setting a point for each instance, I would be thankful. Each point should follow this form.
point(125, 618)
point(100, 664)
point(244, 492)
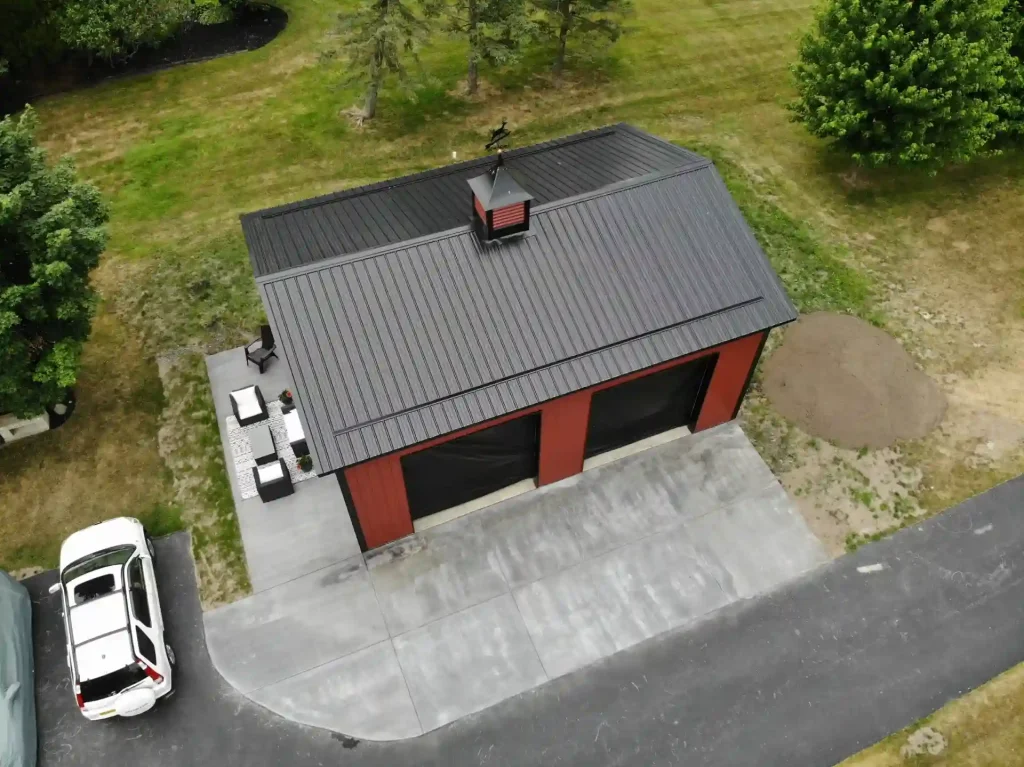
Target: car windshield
point(117, 555)
point(110, 684)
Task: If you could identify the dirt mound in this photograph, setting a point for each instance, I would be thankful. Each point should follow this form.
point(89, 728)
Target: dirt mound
point(843, 380)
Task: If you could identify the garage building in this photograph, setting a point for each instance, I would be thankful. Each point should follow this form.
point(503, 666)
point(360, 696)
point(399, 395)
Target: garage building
point(498, 322)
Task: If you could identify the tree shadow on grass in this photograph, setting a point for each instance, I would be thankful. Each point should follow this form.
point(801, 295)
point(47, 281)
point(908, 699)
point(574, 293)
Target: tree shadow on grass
point(876, 188)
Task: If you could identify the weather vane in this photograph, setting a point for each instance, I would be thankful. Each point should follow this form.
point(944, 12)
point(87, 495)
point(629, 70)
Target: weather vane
point(498, 137)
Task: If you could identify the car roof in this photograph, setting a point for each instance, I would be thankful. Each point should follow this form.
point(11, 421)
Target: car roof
point(98, 617)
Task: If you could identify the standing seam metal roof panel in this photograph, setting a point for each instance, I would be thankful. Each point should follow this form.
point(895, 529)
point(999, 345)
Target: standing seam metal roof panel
point(445, 332)
point(396, 210)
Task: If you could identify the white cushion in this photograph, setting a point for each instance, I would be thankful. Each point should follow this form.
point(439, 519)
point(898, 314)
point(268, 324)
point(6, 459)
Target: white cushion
point(248, 405)
point(270, 472)
point(293, 426)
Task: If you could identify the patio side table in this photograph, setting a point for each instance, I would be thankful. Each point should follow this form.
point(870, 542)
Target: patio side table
point(262, 442)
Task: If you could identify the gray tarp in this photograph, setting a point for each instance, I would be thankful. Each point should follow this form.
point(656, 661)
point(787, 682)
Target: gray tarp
point(17, 678)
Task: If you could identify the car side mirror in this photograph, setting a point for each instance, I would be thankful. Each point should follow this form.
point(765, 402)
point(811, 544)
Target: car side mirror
point(55, 588)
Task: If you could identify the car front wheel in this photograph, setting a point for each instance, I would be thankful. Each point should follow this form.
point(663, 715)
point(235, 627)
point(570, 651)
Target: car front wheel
point(151, 547)
point(170, 654)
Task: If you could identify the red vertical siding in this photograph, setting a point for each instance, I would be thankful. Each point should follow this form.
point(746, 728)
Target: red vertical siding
point(479, 209)
point(735, 361)
point(563, 435)
point(382, 506)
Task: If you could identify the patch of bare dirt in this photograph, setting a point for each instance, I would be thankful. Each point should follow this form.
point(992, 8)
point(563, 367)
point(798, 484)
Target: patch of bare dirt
point(843, 493)
point(843, 380)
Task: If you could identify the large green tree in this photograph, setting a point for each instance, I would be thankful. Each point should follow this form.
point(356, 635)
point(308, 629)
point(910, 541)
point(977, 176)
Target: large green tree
point(376, 39)
point(28, 35)
point(1012, 110)
point(895, 82)
point(51, 235)
point(494, 29)
point(563, 19)
point(118, 28)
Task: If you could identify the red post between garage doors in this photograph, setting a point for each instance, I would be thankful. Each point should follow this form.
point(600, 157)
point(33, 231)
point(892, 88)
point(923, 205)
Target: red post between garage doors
point(378, 489)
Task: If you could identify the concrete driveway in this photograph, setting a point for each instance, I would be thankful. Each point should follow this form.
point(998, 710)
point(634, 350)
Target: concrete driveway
point(455, 619)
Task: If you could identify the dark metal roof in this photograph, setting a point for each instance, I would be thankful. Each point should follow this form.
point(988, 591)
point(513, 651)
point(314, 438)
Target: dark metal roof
point(437, 200)
point(400, 344)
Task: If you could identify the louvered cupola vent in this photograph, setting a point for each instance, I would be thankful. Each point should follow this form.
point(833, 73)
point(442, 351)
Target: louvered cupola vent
point(501, 207)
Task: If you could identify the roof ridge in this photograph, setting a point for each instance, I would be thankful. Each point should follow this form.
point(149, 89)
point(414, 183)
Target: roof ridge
point(362, 255)
point(443, 170)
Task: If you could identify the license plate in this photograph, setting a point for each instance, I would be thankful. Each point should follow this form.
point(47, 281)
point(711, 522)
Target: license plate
point(108, 712)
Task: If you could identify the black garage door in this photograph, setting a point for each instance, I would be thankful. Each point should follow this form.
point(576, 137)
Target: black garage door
point(466, 468)
point(646, 406)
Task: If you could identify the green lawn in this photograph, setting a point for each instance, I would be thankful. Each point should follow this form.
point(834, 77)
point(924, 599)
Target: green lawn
point(181, 154)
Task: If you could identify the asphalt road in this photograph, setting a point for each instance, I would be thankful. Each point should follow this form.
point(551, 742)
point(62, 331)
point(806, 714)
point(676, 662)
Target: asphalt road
point(807, 675)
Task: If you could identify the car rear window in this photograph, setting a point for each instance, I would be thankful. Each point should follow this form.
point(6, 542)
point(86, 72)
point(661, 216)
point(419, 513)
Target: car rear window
point(105, 686)
point(94, 587)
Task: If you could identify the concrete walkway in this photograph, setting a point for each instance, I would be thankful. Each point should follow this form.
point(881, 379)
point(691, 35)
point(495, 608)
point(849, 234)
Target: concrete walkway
point(453, 620)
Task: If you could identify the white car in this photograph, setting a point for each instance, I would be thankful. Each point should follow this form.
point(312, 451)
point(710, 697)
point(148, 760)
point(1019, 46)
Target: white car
point(119, 662)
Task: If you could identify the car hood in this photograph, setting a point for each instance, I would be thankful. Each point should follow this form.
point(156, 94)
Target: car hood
point(114, 532)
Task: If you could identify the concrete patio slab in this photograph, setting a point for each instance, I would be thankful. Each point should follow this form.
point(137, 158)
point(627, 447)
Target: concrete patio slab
point(294, 535)
point(531, 536)
point(468, 661)
point(297, 534)
point(286, 630)
point(618, 600)
point(434, 574)
point(491, 604)
point(756, 543)
point(363, 692)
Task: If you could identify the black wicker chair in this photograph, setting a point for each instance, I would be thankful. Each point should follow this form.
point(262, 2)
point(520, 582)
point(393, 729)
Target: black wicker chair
point(250, 417)
point(275, 487)
point(260, 355)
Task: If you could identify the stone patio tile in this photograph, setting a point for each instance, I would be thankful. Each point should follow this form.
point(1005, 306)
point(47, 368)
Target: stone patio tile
point(468, 661)
point(363, 695)
point(608, 604)
point(291, 628)
point(435, 573)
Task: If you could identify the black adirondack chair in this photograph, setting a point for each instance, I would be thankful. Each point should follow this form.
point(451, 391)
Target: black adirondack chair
point(260, 355)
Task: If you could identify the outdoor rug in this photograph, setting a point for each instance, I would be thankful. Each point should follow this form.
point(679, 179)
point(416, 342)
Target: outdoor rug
point(241, 450)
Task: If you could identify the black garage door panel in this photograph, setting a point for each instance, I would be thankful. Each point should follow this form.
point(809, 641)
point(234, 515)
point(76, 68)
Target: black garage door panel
point(646, 406)
point(466, 468)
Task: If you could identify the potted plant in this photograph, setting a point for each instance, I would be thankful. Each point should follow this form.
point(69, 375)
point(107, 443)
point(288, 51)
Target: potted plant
point(286, 397)
point(305, 463)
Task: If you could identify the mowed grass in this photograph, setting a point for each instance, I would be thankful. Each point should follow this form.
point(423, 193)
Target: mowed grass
point(985, 728)
point(180, 154)
point(101, 463)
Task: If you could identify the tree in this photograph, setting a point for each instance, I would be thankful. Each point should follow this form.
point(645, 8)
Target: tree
point(376, 37)
point(903, 83)
point(1011, 113)
point(495, 29)
point(51, 235)
point(27, 33)
point(118, 28)
point(587, 18)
